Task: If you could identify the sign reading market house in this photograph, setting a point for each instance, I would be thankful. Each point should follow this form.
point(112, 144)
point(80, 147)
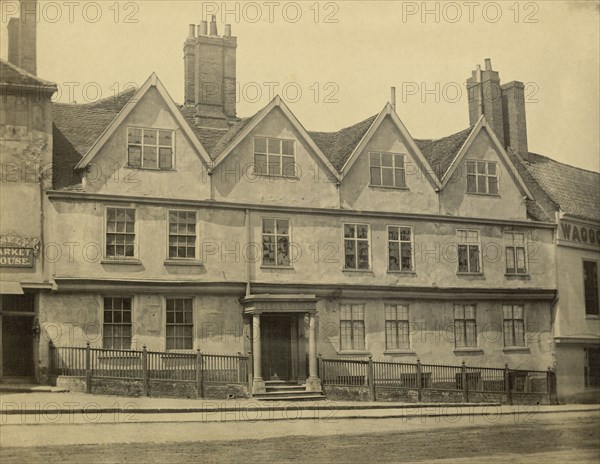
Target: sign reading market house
point(579, 233)
point(18, 251)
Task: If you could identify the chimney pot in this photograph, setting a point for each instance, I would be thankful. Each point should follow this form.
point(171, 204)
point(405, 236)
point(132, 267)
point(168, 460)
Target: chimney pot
point(393, 98)
point(488, 64)
point(192, 33)
point(202, 28)
point(227, 31)
point(213, 26)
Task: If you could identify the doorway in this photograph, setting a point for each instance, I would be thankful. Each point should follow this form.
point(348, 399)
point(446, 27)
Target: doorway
point(276, 347)
point(18, 314)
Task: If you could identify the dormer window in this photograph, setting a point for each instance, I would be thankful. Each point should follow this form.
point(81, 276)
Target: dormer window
point(150, 148)
point(387, 170)
point(274, 157)
point(482, 177)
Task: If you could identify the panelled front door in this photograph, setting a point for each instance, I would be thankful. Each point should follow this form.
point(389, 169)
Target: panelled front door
point(17, 335)
point(276, 347)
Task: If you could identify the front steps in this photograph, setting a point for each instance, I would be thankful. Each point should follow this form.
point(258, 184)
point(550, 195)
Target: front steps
point(279, 390)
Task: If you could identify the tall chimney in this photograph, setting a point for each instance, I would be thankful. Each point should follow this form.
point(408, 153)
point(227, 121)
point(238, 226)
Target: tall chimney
point(393, 98)
point(22, 37)
point(485, 97)
point(515, 124)
point(210, 75)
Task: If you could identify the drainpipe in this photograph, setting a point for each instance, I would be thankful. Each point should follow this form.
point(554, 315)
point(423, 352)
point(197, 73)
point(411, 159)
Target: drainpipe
point(248, 262)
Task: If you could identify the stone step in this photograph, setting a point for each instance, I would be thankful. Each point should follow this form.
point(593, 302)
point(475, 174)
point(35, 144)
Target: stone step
point(306, 396)
point(284, 388)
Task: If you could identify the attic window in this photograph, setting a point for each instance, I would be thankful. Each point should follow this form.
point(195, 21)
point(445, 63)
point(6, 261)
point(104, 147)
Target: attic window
point(387, 170)
point(150, 148)
point(274, 157)
point(482, 177)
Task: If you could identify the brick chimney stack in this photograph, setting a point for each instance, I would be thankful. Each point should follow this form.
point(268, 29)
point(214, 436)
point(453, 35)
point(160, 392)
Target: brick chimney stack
point(210, 74)
point(515, 124)
point(22, 37)
point(485, 97)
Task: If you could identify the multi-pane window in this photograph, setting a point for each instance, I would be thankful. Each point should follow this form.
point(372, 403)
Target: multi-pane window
point(396, 327)
point(117, 323)
point(482, 177)
point(468, 251)
point(516, 261)
point(465, 326)
point(14, 116)
point(276, 242)
point(387, 170)
point(274, 157)
point(182, 234)
point(400, 248)
point(356, 246)
point(180, 324)
point(150, 148)
point(592, 367)
point(590, 284)
point(513, 325)
point(120, 232)
point(352, 327)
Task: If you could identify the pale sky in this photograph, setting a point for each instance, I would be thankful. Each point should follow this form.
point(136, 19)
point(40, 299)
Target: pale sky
point(344, 56)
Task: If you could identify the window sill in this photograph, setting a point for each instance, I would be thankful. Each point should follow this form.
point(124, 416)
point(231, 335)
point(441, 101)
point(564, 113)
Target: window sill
point(492, 195)
point(388, 187)
point(272, 266)
point(139, 168)
point(516, 349)
point(593, 317)
point(390, 271)
point(517, 276)
point(472, 349)
point(354, 353)
point(401, 352)
point(469, 273)
point(363, 271)
point(275, 176)
point(124, 261)
point(181, 262)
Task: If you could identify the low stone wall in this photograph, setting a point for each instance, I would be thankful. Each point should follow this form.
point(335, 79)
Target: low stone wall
point(337, 393)
point(156, 388)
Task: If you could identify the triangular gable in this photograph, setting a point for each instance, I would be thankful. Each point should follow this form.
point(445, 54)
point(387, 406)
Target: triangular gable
point(483, 125)
point(249, 127)
point(152, 81)
point(388, 110)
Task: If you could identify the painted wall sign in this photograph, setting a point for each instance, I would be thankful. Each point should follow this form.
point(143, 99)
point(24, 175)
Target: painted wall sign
point(17, 250)
point(578, 233)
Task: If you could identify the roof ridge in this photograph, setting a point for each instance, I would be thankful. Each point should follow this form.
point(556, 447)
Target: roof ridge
point(122, 93)
point(343, 128)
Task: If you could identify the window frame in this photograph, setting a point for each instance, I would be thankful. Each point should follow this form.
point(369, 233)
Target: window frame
point(166, 324)
point(158, 147)
point(485, 175)
point(464, 326)
point(469, 271)
point(356, 239)
point(512, 324)
point(118, 258)
point(396, 325)
point(595, 314)
point(281, 174)
point(515, 247)
point(400, 242)
point(196, 242)
point(121, 324)
point(276, 235)
point(353, 348)
point(393, 168)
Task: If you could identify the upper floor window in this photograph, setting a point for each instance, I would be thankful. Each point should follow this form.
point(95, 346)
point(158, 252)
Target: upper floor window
point(120, 232)
point(396, 327)
point(513, 325)
point(400, 248)
point(116, 331)
point(465, 326)
point(182, 234)
point(150, 148)
point(482, 177)
point(352, 327)
point(14, 117)
point(590, 284)
point(180, 324)
point(468, 251)
point(276, 242)
point(356, 246)
point(387, 170)
point(516, 259)
point(274, 157)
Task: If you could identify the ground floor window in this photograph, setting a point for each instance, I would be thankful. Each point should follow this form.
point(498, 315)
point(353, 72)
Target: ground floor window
point(465, 326)
point(396, 327)
point(513, 325)
point(592, 367)
point(117, 323)
point(352, 327)
point(180, 324)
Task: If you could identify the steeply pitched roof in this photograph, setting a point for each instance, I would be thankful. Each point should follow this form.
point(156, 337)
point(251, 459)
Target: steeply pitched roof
point(575, 191)
point(13, 76)
point(440, 153)
point(82, 124)
point(338, 146)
